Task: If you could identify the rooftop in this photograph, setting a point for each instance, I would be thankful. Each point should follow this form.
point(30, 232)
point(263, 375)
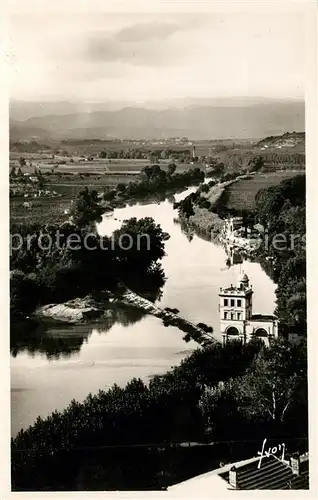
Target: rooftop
point(274, 474)
point(203, 485)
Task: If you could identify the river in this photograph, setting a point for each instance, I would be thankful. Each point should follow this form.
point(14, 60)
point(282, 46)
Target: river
point(63, 363)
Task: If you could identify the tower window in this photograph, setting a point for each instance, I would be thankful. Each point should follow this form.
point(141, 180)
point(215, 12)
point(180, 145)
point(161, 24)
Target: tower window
point(226, 302)
point(232, 302)
point(239, 303)
point(232, 316)
point(238, 316)
point(225, 315)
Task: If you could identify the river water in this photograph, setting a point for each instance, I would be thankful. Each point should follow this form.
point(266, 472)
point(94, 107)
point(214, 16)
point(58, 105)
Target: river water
point(58, 364)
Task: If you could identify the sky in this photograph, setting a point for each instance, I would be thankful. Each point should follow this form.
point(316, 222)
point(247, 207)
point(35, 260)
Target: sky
point(140, 57)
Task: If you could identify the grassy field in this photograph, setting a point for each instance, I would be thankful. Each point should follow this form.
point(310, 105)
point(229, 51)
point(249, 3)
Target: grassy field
point(240, 195)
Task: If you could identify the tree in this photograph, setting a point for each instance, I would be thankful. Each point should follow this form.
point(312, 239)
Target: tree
point(163, 154)
point(186, 206)
point(282, 210)
point(205, 188)
point(121, 187)
point(22, 161)
point(138, 244)
point(171, 169)
point(24, 293)
point(154, 174)
point(269, 399)
point(256, 164)
point(86, 208)
point(263, 394)
point(109, 195)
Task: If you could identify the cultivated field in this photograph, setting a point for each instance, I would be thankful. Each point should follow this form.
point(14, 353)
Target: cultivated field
point(68, 175)
point(97, 166)
point(46, 209)
point(240, 195)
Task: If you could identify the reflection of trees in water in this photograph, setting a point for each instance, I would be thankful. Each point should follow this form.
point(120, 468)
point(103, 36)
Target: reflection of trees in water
point(159, 196)
point(147, 283)
point(204, 234)
point(127, 316)
point(62, 341)
point(123, 314)
point(234, 256)
point(189, 235)
point(152, 198)
point(171, 199)
point(42, 338)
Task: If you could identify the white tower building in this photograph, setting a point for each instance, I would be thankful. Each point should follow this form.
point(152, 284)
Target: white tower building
point(237, 320)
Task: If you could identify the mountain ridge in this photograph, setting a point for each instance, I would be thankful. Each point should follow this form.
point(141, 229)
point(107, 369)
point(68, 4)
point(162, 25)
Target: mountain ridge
point(194, 121)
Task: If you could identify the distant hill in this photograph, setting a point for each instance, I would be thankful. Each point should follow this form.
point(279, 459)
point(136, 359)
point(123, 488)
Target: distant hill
point(21, 110)
point(234, 118)
point(22, 132)
point(289, 139)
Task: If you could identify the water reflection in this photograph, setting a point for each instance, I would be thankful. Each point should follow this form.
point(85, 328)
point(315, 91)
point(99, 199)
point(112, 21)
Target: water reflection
point(61, 341)
point(43, 341)
point(233, 256)
point(189, 230)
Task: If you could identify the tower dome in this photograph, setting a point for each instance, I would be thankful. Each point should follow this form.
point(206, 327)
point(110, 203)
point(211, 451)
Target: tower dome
point(243, 280)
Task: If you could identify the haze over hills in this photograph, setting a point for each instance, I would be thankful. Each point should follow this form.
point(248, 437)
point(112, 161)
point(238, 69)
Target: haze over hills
point(205, 118)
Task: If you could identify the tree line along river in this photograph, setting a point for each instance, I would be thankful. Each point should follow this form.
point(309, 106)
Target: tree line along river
point(68, 362)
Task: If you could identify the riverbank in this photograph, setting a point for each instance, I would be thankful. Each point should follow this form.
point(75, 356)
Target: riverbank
point(150, 191)
point(204, 221)
point(206, 210)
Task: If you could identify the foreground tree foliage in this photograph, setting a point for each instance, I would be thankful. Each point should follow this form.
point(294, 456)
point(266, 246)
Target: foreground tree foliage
point(268, 393)
point(218, 393)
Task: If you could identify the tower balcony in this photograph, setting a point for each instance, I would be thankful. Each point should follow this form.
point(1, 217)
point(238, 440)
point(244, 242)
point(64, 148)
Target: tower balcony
point(235, 291)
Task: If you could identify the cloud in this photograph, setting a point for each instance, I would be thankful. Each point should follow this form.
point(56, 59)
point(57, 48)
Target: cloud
point(106, 51)
point(142, 32)
point(139, 56)
point(140, 44)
